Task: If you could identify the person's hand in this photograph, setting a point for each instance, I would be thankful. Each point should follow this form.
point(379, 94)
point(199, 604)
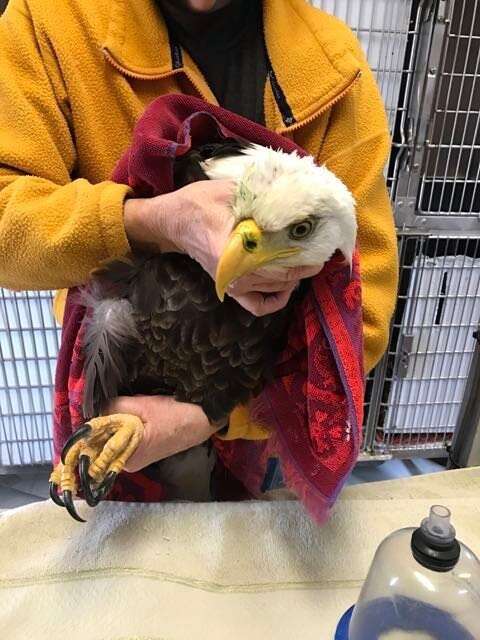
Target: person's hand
point(266, 291)
point(198, 220)
point(170, 427)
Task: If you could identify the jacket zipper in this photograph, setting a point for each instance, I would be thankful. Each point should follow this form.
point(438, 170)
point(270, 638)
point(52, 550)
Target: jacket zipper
point(296, 125)
point(324, 108)
point(154, 76)
point(134, 74)
point(172, 72)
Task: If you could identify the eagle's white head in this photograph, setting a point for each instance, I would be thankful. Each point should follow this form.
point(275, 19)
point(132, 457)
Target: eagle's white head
point(289, 211)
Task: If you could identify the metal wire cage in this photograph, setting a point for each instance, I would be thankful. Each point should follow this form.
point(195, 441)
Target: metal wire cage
point(425, 54)
point(450, 181)
point(422, 379)
point(439, 181)
point(388, 31)
point(382, 28)
point(29, 342)
point(420, 384)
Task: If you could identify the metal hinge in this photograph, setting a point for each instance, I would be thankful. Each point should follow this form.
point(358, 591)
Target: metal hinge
point(427, 7)
point(405, 349)
point(405, 212)
point(443, 12)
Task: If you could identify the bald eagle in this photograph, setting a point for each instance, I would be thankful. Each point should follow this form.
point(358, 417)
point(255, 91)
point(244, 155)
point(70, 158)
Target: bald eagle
point(159, 324)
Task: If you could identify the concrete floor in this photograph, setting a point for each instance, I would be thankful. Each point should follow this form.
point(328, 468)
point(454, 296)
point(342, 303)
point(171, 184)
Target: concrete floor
point(391, 469)
point(28, 485)
point(23, 487)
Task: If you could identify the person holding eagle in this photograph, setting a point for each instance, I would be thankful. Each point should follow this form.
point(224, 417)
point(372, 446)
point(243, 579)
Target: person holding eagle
point(229, 249)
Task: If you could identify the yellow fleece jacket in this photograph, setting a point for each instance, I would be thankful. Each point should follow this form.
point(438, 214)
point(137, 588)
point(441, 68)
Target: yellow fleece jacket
point(76, 75)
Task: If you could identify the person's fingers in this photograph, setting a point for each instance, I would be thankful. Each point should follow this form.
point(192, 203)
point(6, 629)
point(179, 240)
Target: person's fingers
point(260, 287)
point(300, 273)
point(275, 302)
point(258, 282)
point(270, 280)
point(292, 274)
point(261, 305)
point(135, 405)
point(172, 427)
point(141, 457)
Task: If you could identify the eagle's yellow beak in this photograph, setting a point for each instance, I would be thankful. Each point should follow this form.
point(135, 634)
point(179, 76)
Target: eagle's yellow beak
point(246, 250)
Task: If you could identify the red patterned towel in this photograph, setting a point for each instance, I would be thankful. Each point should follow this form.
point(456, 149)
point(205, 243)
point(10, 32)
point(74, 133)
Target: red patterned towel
point(314, 406)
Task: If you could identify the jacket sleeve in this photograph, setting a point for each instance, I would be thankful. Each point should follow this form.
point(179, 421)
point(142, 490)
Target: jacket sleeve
point(356, 148)
point(53, 230)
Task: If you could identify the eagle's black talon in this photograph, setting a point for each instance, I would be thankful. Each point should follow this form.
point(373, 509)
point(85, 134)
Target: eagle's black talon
point(67, 498)
point(83, 467)
point(105, 487)
point(54, 495)
point(78, 435)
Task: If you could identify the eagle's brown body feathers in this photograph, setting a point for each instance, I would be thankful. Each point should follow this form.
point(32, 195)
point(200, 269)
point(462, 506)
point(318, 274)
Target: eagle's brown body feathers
point(189, 344)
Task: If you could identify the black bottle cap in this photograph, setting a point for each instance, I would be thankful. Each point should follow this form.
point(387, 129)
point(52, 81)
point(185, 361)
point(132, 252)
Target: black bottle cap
point(434, 554)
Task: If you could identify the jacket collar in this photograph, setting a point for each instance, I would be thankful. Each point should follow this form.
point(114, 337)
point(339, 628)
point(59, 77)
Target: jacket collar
point(311, 66)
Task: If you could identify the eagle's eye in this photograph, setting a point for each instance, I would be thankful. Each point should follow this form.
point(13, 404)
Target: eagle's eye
point(301, 230)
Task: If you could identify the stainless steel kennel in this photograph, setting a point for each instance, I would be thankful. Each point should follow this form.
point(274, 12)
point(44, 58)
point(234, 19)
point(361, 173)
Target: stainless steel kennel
point(425, 54)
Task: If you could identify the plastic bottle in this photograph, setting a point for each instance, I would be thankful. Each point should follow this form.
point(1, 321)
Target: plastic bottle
point(423, 584)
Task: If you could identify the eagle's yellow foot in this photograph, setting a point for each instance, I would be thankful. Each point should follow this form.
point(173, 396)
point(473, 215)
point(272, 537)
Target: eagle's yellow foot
point(100, 448)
